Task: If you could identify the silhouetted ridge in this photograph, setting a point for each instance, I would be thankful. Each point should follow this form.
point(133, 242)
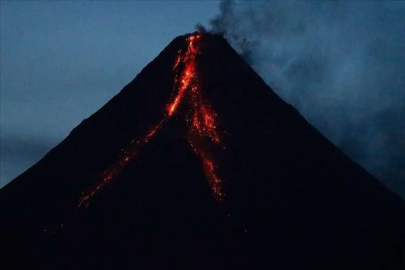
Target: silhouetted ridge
point(198, 164)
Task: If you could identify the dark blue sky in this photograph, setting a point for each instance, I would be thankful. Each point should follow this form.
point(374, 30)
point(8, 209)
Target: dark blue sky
point(61, 61)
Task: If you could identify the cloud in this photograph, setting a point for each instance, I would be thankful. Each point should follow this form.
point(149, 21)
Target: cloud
point(341, 64)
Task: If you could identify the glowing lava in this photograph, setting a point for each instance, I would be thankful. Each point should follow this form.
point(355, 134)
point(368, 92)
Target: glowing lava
point(188, 76)
point(201, 116)
point(200, 119)
point(203, 131)
point(126, 155)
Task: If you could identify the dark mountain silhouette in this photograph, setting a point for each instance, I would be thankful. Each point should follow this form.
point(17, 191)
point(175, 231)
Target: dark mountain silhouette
point(198, 164)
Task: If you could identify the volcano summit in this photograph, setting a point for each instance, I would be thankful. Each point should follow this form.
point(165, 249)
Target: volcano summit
point(198, 164)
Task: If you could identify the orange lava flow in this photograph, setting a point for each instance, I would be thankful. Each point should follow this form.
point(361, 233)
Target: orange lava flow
point(200, 119)
point(203, 132)
point(126, 155)
point(187, 76)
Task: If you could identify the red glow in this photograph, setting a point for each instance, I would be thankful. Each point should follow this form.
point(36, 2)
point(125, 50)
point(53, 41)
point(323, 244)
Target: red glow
point(129, 153)
point(201, 116)
point(187, 76)
point(178, 59)
point(201, 120)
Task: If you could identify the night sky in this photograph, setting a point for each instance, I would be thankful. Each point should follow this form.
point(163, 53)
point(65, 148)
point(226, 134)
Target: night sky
point(341, 64)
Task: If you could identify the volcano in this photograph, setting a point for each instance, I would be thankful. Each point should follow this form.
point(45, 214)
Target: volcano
point(198, 164)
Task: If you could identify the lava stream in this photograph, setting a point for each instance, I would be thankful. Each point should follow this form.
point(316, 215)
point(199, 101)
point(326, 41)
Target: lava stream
point(201, 116)
point(130, 152)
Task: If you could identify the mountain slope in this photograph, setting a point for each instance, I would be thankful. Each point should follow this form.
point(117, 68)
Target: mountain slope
point(198, 164)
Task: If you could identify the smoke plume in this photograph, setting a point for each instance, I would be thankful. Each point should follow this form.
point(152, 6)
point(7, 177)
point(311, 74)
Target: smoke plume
point(341, 64)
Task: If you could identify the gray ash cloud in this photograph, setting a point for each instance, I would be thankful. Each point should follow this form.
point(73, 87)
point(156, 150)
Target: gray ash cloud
point(341, 64)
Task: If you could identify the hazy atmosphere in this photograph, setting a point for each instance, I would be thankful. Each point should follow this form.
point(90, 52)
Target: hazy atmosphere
point(341, 64)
